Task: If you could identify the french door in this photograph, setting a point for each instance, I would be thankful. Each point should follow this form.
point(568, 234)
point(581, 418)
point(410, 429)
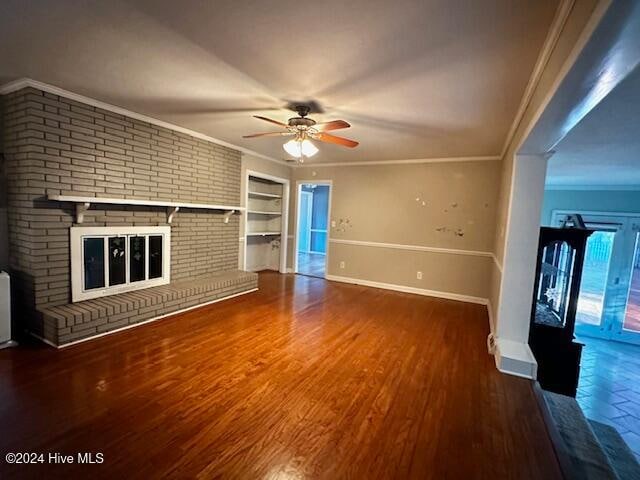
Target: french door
point(609, 301)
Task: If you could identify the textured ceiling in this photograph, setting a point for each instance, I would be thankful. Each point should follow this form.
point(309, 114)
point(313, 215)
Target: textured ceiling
point(604, 148)
point(416, 78)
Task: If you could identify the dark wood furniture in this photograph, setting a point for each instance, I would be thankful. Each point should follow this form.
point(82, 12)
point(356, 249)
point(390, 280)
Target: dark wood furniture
point(555, 298)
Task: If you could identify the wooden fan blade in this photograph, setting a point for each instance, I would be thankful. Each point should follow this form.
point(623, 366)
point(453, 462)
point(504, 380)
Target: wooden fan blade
point(271, 120)
point(332, 125)
point(268, 134)
point(345, 142)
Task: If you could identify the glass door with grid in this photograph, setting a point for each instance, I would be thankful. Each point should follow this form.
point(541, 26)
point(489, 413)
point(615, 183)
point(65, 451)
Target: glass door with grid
point(609, 301)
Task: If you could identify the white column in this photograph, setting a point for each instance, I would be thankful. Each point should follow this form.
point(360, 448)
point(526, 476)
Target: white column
point(518, 267)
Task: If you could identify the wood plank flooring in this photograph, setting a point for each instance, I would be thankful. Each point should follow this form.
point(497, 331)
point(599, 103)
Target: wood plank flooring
point(304, 379)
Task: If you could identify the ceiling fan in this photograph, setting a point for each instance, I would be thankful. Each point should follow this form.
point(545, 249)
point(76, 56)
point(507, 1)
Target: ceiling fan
point(304, 130)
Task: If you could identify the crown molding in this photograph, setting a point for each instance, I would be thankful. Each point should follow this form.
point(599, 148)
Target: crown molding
point(21, 83)
point(557, 25)
point(601, 188)
point(491, 158)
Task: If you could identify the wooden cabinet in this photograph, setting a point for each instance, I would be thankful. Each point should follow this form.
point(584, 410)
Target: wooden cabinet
point(555, 298)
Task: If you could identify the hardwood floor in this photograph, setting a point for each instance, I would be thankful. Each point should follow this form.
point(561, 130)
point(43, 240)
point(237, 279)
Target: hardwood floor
point(303, 379)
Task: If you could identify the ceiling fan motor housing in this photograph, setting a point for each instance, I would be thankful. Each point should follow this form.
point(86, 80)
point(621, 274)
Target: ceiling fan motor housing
point(301, 122)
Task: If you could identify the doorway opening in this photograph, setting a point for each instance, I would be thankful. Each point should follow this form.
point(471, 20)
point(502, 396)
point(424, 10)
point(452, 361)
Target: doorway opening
point(312, 228)
point(608, 321)
point(609, 299)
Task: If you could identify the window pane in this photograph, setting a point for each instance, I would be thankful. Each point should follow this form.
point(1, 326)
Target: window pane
point(155, 256)
point(93, 249)
point(632, 312)
point(117, 260)
point(136, 259)
point(556, 275)
point(594, 278)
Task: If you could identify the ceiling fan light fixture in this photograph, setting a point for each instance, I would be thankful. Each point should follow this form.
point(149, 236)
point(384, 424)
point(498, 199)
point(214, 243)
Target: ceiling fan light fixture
point(308, 148)
point(298, 148)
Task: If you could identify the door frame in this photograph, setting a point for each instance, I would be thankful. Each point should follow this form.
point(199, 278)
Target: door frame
point(309, 212)
point(615, 298)
point(299, 184)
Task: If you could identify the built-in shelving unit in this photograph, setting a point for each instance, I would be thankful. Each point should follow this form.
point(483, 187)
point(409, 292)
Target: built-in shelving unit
point(265, 225)
point(263, 195)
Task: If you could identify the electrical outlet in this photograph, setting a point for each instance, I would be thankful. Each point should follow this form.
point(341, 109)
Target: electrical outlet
point(419, 275)
point(342, 264)
point(333, 224)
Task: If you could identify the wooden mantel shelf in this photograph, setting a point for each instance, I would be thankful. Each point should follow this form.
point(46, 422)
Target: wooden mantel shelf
point(83, 204)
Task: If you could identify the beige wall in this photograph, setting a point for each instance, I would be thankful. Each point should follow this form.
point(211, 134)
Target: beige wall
point(380, 204)
point(549, 79)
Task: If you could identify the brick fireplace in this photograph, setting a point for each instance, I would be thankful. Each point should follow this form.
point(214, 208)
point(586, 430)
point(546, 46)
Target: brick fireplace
point(58, 146)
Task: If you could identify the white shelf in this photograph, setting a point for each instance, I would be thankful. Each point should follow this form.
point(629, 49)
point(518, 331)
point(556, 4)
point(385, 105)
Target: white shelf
point(83, 204)
point(258, 212)
point(264, 195)
point(262, 234)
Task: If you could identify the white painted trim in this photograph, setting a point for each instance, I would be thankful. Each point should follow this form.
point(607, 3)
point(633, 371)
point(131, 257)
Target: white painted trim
point(299, 184)
point(601, 188)
point(560, 19)
point(28, 82)
point(44, 340)
point(594, 20)
point(147, 203)
point(261, 268)
point(402, 288)
point(309, 213)
point(492, 325)
point(418, 248)
point(127, 327)
point(8, 344)
point(284, 221)
point(76, 234)
point(515, 358)
point(490, 158)
point(497, 263)
point(593, 212)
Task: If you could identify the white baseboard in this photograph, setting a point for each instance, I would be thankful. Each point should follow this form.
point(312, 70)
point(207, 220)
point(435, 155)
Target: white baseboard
point(492, 325)
point(8, 344)
point(405, 289)
point(127, 327)
point(515, 358)
point(512, 358)
point(44, 340)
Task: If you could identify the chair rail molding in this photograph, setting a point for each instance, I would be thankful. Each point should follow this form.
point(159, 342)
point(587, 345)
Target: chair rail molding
point(415, 248)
